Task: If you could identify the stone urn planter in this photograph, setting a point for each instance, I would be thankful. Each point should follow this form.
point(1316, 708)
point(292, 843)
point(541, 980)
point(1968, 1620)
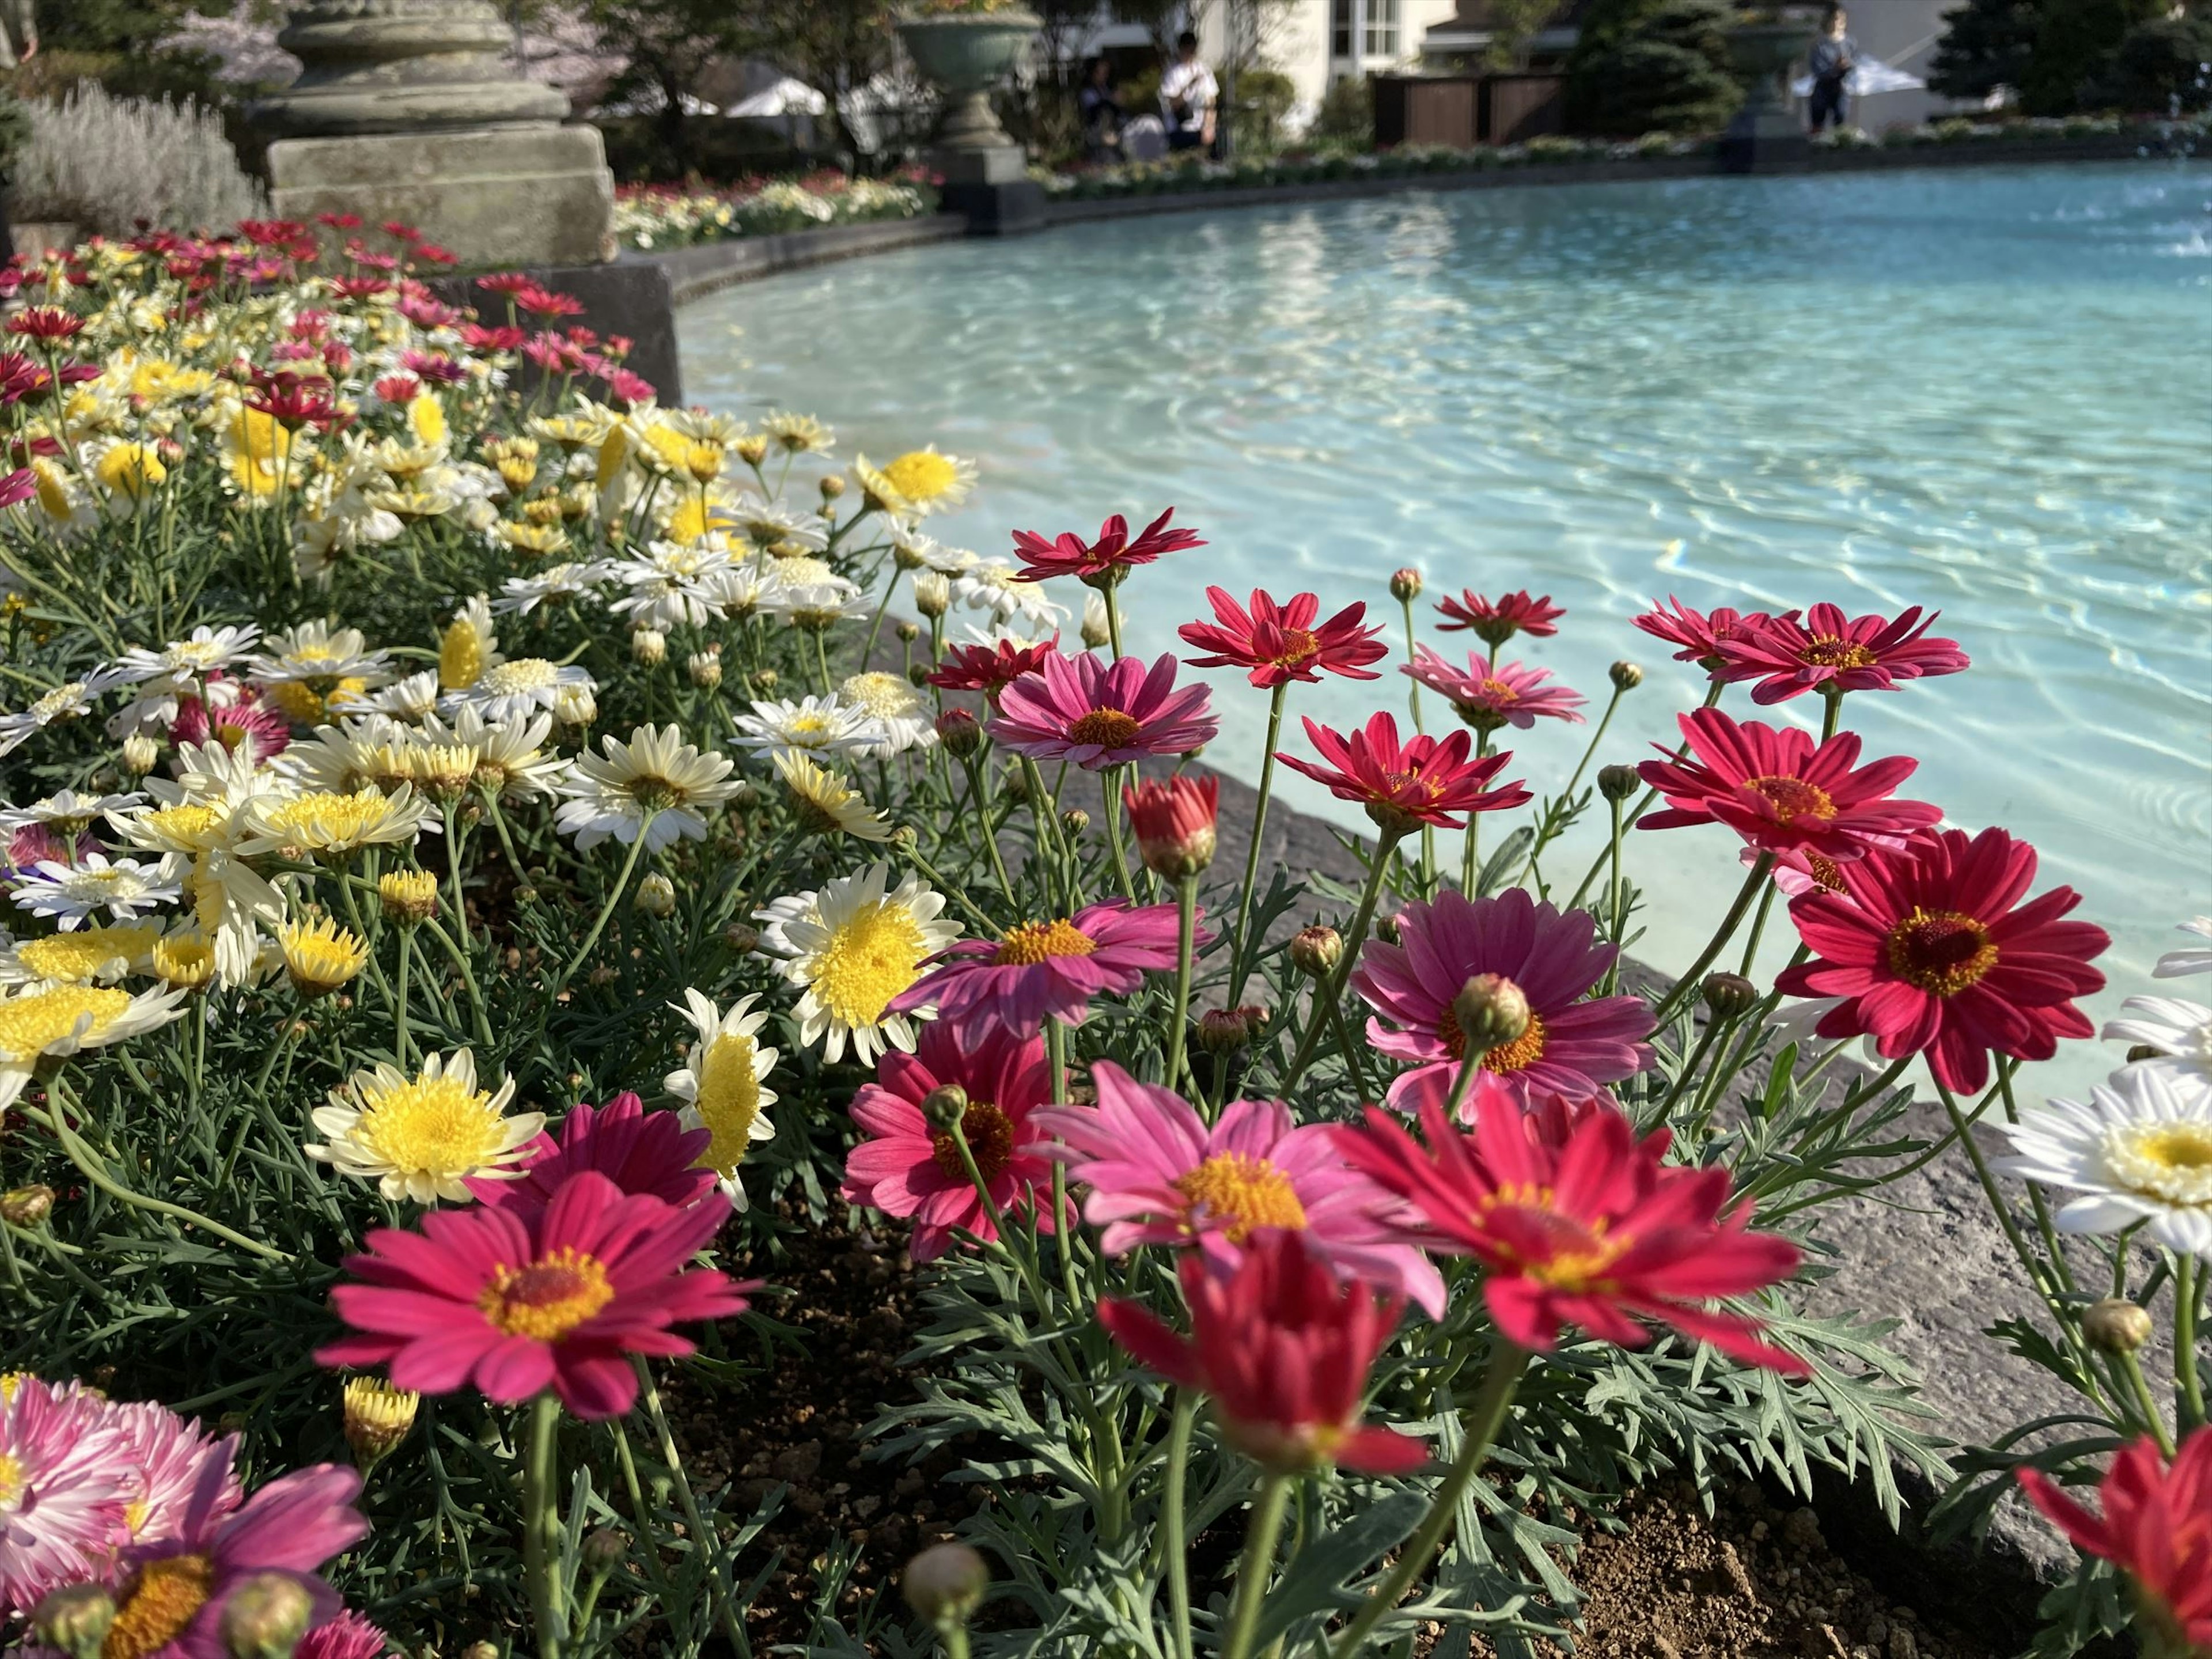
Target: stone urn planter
point(1763, 44)
point(963, 55)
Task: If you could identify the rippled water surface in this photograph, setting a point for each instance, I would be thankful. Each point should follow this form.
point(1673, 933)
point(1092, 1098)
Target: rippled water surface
point(1986, 391)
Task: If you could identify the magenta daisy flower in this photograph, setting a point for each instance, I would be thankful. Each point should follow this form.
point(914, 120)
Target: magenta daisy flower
point(1401, 785)
point(235, 716)
point(1278, 643)
point(1103, 562)
point(1100, 715)
point(1933, 951)
point(907, 1167)
point(1700, 633)
point(520, 1302)
point(348, 1635)
point(1571, 1048)
point(1789, 657)
point(1496, 621)
point(1045, 970)
point(65, 1488)
point(1782, 792)
point(640, 1151)
point(1488, 695)
point(1157, 1175)
point(171, 1602)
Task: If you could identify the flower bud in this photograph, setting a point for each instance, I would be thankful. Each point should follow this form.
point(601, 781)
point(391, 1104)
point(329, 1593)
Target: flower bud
point(705, 668)
point(377, 1418)
point(1617, 782)
point(917, 673)
point(575, 705)
point(960, 732)
point(76, 1620)
point(944, 1107)
point(765, 680)
point(480, 1651)
point(2143, 1051)
point(752, 448)
point(905, 555)
point(265, 1616)
point(933, 593)
point(944, 1584)
point(2115, 1326)
point(606, 1548)
point(1075, 820)
point(140, 753)
point(1405, 585)
point(740, 938)
point(908, 633)
point(1096, 630)
point(1731, 996)
point(1625, 675)
point(27, 1206)
point(1491, 1011)
point(1174, 823)
point(745, 796)
point(1317, 951)
point(409, 897)
point(648, 645)
point(1017, 783)
point(1386, 928)
point(656, 895)
point(1225, 1031)
point(832, 488)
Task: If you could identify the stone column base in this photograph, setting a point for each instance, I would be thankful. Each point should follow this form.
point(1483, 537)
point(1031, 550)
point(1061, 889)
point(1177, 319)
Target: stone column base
point(493, 196)
point(1761, 140)
point(982, 164)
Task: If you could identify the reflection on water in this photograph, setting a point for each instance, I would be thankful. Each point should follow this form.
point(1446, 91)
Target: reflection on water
point(1986, 391)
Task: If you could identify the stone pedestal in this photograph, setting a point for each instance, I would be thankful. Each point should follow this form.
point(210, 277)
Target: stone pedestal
point(1766, 132)
point(494, 195)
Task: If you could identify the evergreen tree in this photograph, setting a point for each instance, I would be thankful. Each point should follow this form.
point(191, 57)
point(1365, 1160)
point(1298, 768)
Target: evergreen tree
point(1652, 65)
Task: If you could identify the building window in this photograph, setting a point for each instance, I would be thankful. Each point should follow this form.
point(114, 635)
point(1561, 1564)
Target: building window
point(1340, 27)
point(1382, 28)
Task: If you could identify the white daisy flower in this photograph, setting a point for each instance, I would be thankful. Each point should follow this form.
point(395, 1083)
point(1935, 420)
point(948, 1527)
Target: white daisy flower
point(90, 956)
point(902, 718)
point(2174, 964)
point(723, 1084)
point(422, 1138)
point(767, 524)
point(180, 666)
point(674, 584)
point(816, 604)
point(517, 688)
point(60, 1020)
point(809, 724)
point(852, 948)
point(825, 803)
point(411, 698)
point(2139, 1150)
point(512, 760)
point(308, 666)
point(321, 823)
point(71, 894)
point(988, 584)
point(656, 773)
point(2180, 1030)
point(65, 702)
point(576, 579)
point(66, 812)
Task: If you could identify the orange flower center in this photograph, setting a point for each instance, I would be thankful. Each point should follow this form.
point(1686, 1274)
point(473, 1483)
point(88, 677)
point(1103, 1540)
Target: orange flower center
point(550, 1297)
point(1792, 798)
point(990, 1134)
point(1499, 691)
point(1299, 648)
point(1521, 1053)
point(1824, 871)
point(164, 1597)
point(1109, 728)
point(1826, 651)
point(1574, 1256)
point(1942, 951)
point(1036, 941)
point(1250, 1192)
point(228, 735)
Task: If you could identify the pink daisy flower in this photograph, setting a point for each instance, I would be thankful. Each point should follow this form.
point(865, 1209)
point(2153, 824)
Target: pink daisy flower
point(1488, 695)
point(1422, 780)
point(1789, 658)
point(348, 1635)
point(1098, 714)
point(1933, 952)
point(1158, 1174)
point(1496, 621)
point(171, 1600)
point(907, 1167)
point(235, 716)
point(518, 1304)
point(990, 668)
point(168, 1456)
point(67, 1489)
point(1571, 1048)
point(640, 1151)
point(1782, 792)
point(1045, 970)
point(1700, 634)
point(1279, 643)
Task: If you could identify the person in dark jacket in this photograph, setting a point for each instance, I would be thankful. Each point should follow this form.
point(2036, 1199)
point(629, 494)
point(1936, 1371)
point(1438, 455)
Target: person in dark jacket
point(1101, 114)
point(1833, 55)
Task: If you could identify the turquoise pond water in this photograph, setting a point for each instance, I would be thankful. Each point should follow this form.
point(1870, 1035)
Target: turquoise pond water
point(1988, 391)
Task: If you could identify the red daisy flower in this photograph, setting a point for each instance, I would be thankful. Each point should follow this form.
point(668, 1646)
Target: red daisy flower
point(991, 668)
point(2156, 1527)
point(1699, 633)
point(1174, 821)
point(1050, 969)
point(1279, 643)
point(1101, 563)
point(1495, 622)
point(1421, 781)
point(909, 1167)
point(1933, 952)
point(1782, 792)
point(18, 487)
point(1789, 657)
point(44, 323)
point(1285, 1350)
point(1488, 695)
point(640, 1151)
point(1578, 1222)
point(292, 399)
point(520, 1302)
point(1100, 715)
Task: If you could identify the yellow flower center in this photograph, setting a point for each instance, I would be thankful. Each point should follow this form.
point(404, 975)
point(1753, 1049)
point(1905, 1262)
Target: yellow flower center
point(1791, 798)
point(131, 470)
point(868, 961)
point(1826, 651)
point(523, 674)
point(184, 963)
point(1250, 1192)
point(1109, 728)
point(2170, 1162)
point(11, 1482)
point(990, 1136)
point(921, 475)
point(728, 1100)
point(460, 655)
point(1942, 951)
point(432, 1127)
point(183, 826)
point(57, 702)
point(550, 1297)
point(32, 1023)
point(882, 695)
point(321, 957)
point(330, 820)
point(691, 520)
point(426, 419)
point(160, 1601)
point(79, 955)
point(306, 705)
point(1299, 648)
point(53, 492)
point(1036, 941)
point(1519, 1054)
point(1824, 871)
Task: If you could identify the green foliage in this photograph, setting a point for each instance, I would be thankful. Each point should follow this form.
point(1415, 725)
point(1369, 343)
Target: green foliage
point(1347, 112)
point(2160, 66)
point(1986, 44)
point(2076, 42)
point(1652, 65)
point(1262, 98)
point(2064, 56)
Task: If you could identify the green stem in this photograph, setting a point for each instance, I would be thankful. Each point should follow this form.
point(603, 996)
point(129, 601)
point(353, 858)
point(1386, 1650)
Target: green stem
point(607, 909)
point(88, 1164)
point(704, 1538)
point(1713, 690)
point(541, 1527)
point(1688, 985)
point(1262, 1531)
point(1173, 1518)
point(399, 1038)
point(2188, 1390)
point(1757, 927)
point(1178, 1026)
point(1483, 1420)
point(983, 814)
point(1238, 972)
point(2139, 1385)
point(1112, 806)
point(453, 873)
point(1414, 695)
point(1329, 992)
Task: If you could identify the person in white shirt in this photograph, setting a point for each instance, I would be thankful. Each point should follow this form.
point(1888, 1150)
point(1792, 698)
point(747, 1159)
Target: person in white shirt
point(1189, 95)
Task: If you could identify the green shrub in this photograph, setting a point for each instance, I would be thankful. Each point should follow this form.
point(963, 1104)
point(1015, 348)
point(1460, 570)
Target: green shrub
point(1642, 64)
point(2160, 66)
point(1262, 98)
point(105, 163)
point(1347, 112)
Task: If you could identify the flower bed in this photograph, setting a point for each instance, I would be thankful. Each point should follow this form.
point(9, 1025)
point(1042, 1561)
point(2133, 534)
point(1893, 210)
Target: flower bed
point(474, 872)
point(650, 216)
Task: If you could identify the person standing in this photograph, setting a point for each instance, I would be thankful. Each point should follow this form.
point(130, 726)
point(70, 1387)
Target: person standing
point(1189, 97)
point(1833, 57)
point(1101, 112)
